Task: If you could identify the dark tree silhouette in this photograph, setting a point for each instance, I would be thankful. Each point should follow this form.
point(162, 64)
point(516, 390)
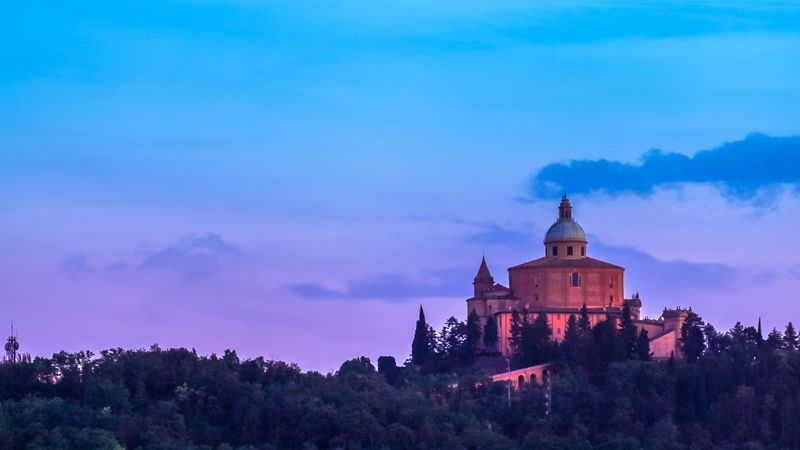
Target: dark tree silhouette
point(692, 337)
point(790, 337)
point(421, 346)
point(490, 335)
point(643, 346)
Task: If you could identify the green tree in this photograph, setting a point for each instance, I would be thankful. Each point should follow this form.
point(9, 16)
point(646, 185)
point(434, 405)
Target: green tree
point(692, 339)
point(490, 335)
point(790, 340)
point(535, 345)
point(516, 330)
point(421, 348)
point(473, 335)
point(584, 323)
point(627, 332)
point(607, 345)
point(452, 342)
point(643, 346)
point(774, 339)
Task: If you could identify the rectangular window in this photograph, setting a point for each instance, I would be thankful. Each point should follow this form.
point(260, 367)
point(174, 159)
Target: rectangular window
point(555, 251)
point(583, 251)
point(536, 298)
point(569, 251)
point(559, 330)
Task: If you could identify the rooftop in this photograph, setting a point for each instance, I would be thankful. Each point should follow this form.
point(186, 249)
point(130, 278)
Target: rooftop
point(576, 263)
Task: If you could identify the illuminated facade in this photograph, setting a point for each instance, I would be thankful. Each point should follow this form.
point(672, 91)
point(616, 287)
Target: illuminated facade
point(560, 283)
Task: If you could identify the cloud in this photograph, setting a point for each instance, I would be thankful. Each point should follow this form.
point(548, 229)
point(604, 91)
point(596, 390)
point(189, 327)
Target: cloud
point(395, 286)
point(669, 278)
point(493, 234)
point(192, 257)
point(747, 169)
point(76, 265)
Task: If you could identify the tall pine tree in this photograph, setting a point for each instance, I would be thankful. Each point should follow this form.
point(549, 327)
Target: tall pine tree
point(584, 323)
point(421, 346)
point(790, 337)
point(774, 339)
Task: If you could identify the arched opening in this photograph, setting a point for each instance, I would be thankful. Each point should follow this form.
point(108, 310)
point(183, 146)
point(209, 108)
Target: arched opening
point(521, 381)
point(533, 378)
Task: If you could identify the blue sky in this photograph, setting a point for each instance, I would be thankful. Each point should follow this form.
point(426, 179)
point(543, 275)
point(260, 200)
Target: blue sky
point(239, 174)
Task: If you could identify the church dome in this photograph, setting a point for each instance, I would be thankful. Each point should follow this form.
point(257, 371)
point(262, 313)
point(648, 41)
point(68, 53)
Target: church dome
point(565, 228)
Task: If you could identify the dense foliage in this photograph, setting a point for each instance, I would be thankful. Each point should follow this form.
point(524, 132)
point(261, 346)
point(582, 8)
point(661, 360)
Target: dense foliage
point(737, 390)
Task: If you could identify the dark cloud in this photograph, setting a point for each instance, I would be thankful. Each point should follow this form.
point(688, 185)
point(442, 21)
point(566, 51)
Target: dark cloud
point(192, 257)
point(76, 265)
point(742, 169)
point(674, 279)
point(492, 234)
point(396, 286)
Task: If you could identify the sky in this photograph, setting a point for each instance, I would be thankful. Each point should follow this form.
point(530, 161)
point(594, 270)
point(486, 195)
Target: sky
point(293, 179)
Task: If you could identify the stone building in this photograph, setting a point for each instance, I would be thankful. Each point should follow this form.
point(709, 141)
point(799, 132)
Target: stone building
point(560, 283)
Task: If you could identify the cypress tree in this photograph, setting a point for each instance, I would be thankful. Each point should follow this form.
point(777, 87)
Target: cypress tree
point(790, 337)
point(420, 347)
point(490, 335)
point(628, 332)
point(643, 346)
point(584, 323)
point(571, 333)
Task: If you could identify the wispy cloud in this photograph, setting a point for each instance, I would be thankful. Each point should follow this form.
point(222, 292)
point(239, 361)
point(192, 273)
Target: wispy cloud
point(395, 286)
point(192, 257)
point(76, 265)
point(743, 169)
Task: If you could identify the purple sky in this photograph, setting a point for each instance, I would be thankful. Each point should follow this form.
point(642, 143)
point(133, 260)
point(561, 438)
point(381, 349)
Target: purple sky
point(293, 181)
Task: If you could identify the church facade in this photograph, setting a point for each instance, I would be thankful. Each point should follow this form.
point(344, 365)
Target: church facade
point(560, 283)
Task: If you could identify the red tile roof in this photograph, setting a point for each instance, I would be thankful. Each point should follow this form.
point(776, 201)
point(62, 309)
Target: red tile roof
point(577, 263)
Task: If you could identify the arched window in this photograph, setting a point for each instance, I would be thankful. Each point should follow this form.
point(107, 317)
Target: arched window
point(575, 280)
point(533, 378)
point(521, 381)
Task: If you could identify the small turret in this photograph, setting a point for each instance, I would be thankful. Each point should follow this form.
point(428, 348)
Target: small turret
point(635, 306)
point(565, 209)
point(483, 279)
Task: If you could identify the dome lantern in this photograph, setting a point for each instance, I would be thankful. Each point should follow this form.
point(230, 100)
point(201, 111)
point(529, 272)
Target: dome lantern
point(565, 238)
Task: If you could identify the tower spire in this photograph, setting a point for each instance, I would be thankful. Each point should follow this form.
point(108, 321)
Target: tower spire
point(483, 279)
point(483, 272)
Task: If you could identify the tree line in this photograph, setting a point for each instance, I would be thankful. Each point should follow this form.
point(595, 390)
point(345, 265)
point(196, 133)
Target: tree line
point(734, 389)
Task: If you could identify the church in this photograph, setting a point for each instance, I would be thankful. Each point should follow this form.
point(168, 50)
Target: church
point(560, 283)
